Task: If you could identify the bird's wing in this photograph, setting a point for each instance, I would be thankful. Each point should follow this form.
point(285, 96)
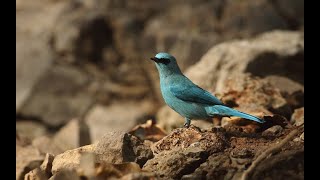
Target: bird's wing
point(193, 93)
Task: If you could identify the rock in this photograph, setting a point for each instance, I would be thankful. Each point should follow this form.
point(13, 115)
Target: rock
point(30, 129)
point(43, 172)
point(116, 117)
point(138, 176)
point(104, 42)
point(33, 56)
point(284, 84)
point(168, 119)
point(183, 150)
point(175, 163)
point(58, 96)
point(148, 131)
point(253, 94)
point(119, 147)
point(266, 54)
point(216, 166)
point(45, 144)
point(27, 159)
point(248, 22)
point(292, 11)
point(70, 159)
point(105, 171)
point(35, 174)
point(182, 138)
point(87, 165)
point(292, 91)
point(113, 147)
point(274, 131)
point(68, 136)
point(302, 136)
point(65, 174)
point(297, 117)
point(248, 90)
point(46, 165)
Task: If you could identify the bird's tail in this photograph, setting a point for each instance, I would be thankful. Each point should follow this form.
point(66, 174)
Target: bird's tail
point(226, 111)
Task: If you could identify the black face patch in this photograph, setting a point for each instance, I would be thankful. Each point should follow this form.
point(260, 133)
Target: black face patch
point(161, 60)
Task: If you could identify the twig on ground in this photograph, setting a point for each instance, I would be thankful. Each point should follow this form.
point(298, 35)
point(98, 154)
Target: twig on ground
point(273, 149)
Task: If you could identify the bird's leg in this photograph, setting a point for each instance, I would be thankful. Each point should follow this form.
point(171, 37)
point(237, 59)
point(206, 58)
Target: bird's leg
point(187, 122)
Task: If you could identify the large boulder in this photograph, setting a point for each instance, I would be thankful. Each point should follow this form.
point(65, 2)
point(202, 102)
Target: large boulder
point(272, 53)
point(113, 147)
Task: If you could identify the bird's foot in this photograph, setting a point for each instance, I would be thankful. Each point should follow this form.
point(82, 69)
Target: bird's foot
point(187, 123)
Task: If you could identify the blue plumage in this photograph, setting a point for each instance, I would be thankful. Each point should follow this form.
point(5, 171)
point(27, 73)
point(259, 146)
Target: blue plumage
point(188, 99)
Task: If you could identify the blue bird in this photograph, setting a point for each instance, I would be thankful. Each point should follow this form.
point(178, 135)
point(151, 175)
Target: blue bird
point(188, 99)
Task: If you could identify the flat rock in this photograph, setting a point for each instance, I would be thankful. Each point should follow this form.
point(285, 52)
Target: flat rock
point(59, 95)
point(274, 130)
point(113, 147)
point(266, 54)
point(33, 55)
point(27, 159)
point(116, 117)
point(65, 174)
point(297, 117)
point(70, 159)
point(175, 163)
point(183, 150)
point(182, 138)
point(36, 174)
point(68, 137)
point(45, 145)
point(30, 129)
point(119, 147)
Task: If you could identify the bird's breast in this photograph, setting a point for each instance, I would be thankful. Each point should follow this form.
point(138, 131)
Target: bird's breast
point(185, 109)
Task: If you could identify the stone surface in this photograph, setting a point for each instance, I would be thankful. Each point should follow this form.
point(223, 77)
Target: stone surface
point(46, 165)
point(45, 144)
point(285, 85)
point(35, 174)
point(116, 117)
point(70, 159)
point(43, 172)
point(113, 147)
point(148, 131)
point(68, 137)
point(30, 129)
point(302, 136)
point(138, 176)
point(119, 147)
point(33, 56)
point(182, 138)
point(60, 95)
point(65, 174)
point(183, 150)
point(27, 159)
point(250, 92)
point(297, 117)
point(266, 54)
point(274, 130)
point(175, 163)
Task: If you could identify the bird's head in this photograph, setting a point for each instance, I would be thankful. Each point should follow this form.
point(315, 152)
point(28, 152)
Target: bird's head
point(166, 63)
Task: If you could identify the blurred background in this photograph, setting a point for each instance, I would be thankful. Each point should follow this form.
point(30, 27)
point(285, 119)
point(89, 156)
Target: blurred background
point(83, 69)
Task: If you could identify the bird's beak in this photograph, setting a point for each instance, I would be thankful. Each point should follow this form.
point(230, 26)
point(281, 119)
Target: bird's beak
point(154, 59)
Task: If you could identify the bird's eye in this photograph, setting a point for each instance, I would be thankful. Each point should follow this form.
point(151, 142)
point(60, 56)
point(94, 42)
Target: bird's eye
point(164, 61)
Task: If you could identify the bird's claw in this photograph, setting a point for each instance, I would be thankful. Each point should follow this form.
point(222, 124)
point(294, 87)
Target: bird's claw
point(186, 125)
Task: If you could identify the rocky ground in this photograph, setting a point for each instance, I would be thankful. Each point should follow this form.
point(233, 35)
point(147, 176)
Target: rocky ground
point(88, 102)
